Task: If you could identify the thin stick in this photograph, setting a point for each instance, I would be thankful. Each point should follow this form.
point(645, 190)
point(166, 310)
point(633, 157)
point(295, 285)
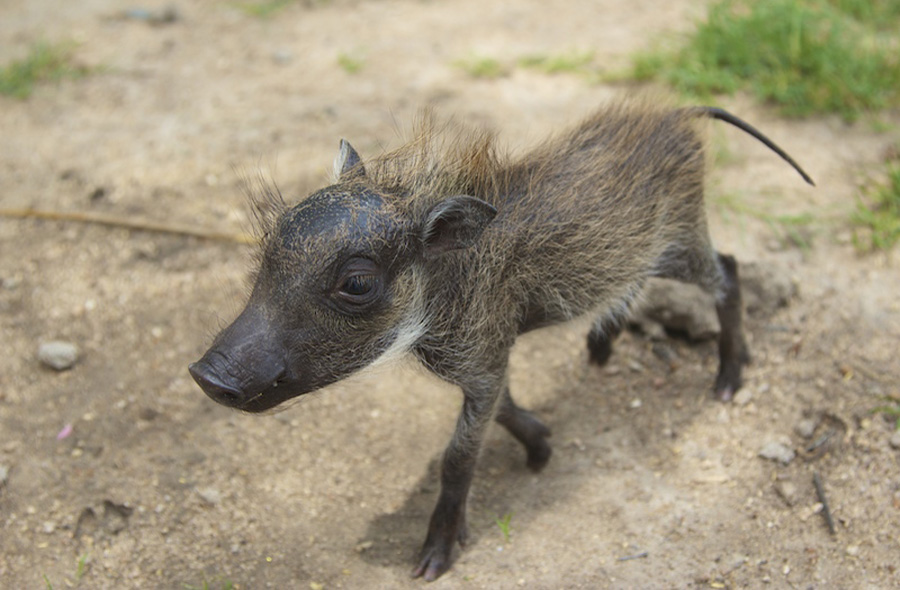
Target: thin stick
point(636, 556)
point(819, 442)
point(826, 511)
point(135, 224)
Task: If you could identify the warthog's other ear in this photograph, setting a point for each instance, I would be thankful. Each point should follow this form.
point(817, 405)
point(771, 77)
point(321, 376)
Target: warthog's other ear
point(347, 164)
point(455, 223)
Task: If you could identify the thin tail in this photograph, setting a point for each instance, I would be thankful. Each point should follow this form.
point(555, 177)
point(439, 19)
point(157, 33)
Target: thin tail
point(722, 115)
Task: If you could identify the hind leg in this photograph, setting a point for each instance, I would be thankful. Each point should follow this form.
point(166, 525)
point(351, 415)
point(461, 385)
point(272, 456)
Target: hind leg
point(527, 429)
point(733, 353)
point(717, 274)
point(600, 339)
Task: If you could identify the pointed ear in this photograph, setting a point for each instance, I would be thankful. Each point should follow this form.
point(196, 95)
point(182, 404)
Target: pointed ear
point(347, 164)
point(455, 223)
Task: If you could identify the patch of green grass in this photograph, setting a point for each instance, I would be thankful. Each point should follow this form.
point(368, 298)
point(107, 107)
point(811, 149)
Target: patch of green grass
point(892, 409)
point(45, 62)
point(792, 230)
point(808, 56)
point(80, 570)
point(556, 64)
point(81, 567)
point(877, 214)
point(264, 8)
point(483, 67)
point(503, 523)
point(882, 14)
point(349, 63)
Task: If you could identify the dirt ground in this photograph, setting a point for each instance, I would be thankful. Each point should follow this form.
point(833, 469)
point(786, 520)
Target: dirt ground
point(156, 486)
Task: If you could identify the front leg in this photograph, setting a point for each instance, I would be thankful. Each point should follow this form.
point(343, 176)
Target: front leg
point(448, 521)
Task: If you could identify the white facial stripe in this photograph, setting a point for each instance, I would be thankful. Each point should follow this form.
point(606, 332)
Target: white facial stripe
point(408, 331)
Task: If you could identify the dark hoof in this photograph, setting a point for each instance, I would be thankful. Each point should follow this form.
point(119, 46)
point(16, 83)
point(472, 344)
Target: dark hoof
point(535, 442)
point(432, 565)
point(728, 382)
point(599, 347)
point(435, 557)
point(538, 456)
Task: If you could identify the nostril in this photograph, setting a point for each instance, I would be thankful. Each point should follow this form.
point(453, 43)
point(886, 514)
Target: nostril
point(214, 386)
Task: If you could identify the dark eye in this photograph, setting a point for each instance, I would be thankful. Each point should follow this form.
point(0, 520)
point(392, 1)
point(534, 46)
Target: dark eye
point(358, 285)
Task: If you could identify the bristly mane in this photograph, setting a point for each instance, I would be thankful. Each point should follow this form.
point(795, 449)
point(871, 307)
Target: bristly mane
point(443, 158)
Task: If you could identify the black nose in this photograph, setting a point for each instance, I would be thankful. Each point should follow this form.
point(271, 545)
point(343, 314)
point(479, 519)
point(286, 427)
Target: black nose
point(214, 385)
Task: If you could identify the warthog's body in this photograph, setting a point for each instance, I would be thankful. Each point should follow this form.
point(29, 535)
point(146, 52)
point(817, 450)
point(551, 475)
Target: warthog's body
point(446, 249)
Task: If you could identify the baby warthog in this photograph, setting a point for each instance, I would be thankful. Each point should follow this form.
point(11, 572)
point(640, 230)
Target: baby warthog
point(448, 249)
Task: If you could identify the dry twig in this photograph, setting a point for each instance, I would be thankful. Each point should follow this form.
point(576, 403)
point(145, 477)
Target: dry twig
point(135, 224)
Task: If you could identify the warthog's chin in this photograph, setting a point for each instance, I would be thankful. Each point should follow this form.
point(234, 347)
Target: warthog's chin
point(271, 397)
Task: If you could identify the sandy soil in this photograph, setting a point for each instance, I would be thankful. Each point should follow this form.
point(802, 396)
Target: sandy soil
point(158, 487)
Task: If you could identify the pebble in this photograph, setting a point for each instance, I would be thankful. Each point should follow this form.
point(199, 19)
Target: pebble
point(788, 492)
point(806, 428)
point(680, 307)
point(777, 451)
point(210, 495)
point(895, 439)
point(166, 16)
point(282, 57)
point(49, 527)
point(58, 354)
point(743, 397)
point(4, 474)
point(735, 562)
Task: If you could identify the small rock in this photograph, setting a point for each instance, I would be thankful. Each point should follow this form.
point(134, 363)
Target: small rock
point(166, 16)
point(58, 355)
point(788, 492)
point(211, 496)
point(853, 550)
point(681, 307)
point(766, 287)
point(777, 451)
point(735, 562)
point(895, 439)
point(806, 428)
point(649, 328)
point(282, 57)
point(147, 414)
point(4, 474)
point(743, 397)
point(364, 546)
point(49, 527)
point(635, 404)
